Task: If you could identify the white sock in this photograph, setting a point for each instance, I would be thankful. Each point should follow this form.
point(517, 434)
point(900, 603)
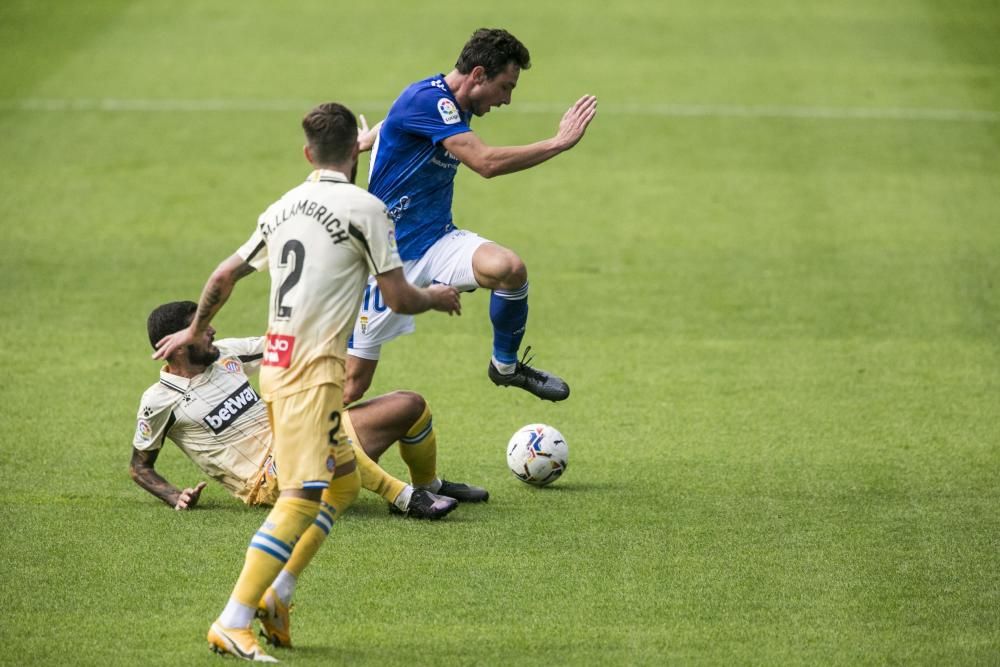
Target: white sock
point(505, 369)
point(236, 615)
point(284, 585)
point(402, 501)
point(434, 486)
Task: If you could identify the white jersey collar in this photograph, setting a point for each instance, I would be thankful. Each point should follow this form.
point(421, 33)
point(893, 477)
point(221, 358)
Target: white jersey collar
point(327, 175)
point(178, 383)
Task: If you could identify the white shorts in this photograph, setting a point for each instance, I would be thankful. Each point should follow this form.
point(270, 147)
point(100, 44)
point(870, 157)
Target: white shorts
point(448, 261)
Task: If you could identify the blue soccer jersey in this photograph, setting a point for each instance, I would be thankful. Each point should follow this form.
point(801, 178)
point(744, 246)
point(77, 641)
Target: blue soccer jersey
point(411, 172)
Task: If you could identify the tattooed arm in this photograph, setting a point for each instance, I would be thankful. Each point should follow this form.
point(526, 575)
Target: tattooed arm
point(216, 292)
point(142, 471)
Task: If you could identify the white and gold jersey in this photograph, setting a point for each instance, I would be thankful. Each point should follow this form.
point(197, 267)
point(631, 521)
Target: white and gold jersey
point(320, 242)
point(216, 418)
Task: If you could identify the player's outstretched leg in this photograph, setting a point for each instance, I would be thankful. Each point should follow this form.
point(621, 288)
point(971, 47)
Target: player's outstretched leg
point(502, 271)
point(418, 449)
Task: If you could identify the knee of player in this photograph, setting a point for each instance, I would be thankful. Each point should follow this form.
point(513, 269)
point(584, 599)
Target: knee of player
point(518, 272)
point(513, 273)
point(411, 404)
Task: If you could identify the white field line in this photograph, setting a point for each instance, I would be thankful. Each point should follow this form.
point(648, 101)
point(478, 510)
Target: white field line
point(661, 110)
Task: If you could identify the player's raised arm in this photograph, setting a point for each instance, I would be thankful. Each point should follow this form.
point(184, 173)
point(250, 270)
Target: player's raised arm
point(489, 161)
point(215, 293)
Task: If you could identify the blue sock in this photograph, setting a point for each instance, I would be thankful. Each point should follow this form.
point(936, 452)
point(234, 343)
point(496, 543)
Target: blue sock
point(509, 315)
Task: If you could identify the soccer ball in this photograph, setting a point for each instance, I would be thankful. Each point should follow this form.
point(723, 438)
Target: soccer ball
point(537, 454)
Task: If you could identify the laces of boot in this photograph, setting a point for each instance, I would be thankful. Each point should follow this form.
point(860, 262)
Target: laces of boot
point(525, 368)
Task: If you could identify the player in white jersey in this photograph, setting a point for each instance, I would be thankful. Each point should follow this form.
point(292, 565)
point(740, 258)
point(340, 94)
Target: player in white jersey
point(205, 404)
point(320, 241)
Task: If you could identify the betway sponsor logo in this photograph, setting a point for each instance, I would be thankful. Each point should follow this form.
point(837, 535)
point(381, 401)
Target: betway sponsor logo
point(229, 410)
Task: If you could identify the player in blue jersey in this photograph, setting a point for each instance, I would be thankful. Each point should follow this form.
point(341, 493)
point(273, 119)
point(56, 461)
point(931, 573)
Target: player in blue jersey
point(416, 153)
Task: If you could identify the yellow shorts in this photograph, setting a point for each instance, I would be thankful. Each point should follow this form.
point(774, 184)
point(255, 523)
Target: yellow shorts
point(308, 439)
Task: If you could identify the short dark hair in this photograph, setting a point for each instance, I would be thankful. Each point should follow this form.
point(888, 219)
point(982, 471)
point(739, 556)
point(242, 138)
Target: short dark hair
point(331, 131)
point(169, 318)
point(494, 49)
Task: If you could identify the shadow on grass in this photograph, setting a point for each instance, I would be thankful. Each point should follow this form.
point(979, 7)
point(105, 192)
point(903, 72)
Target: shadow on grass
point(571, 487)
point(320, 654)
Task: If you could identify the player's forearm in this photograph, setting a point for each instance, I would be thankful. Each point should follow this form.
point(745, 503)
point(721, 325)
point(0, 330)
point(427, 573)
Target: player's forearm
point(409, 300)
point(213, 296)
point(405, 299)
point(500, 160)
point(400, 296)
point(150, 480)
point(217, 290)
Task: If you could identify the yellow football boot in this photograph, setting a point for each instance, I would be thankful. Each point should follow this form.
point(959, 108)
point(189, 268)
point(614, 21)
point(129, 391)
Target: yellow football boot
point(238, 642)
point(273, 616)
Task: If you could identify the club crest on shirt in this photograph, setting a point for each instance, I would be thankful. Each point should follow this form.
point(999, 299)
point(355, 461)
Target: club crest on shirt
point(364, 323)
point(397, 210)
point(231, 365)
point(448, 111)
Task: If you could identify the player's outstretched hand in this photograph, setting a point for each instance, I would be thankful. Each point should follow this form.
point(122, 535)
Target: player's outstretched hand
point(189, 497)
point(366, 136)
point(446, 299)
point(170, 344)
point(575, 121)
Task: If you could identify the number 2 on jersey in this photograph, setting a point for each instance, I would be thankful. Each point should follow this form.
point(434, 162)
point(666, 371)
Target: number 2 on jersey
point(297, 252)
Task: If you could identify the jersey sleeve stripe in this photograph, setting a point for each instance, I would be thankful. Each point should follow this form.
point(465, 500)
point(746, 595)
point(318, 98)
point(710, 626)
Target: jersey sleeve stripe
point(246, 358)
point(170, 422)
point(249, 258)
point(359, 235)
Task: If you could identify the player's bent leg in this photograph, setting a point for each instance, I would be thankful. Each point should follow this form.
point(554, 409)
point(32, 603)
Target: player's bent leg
point(373, 426)
point(418, 449)
point(496, 267)
point(375, 479)
point(270, 549)
point(381, 421)
point(274, 604)
point(503, 271)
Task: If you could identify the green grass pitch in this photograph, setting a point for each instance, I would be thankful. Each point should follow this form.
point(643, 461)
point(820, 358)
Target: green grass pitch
point(769, 272)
